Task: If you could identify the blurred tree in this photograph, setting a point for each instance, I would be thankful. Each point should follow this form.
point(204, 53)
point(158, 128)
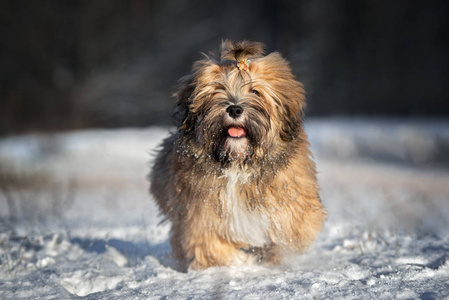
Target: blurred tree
point(379, 57)
point(72, 64)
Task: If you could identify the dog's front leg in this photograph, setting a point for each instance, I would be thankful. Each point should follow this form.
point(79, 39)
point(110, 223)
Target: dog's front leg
point(208, 249)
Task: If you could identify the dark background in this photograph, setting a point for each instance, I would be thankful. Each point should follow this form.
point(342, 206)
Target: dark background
point(102, 63)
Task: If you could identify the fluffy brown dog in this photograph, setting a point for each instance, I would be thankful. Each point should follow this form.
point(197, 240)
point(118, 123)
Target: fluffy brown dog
point(236, 179)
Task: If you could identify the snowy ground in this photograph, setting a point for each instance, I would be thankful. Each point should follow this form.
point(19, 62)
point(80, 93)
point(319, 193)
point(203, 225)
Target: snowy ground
point(76, 219)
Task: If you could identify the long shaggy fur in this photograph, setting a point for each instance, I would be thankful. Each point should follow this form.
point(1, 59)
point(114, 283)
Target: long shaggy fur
point(238, 199)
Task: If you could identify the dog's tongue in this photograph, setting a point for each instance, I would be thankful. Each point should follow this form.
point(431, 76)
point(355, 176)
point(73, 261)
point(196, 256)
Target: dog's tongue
point(236, 132)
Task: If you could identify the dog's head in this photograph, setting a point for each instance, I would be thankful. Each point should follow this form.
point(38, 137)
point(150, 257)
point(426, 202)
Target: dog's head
point(241, 104)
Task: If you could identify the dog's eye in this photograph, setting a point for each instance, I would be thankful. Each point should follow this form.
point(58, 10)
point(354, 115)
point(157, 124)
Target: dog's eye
point(255, 92)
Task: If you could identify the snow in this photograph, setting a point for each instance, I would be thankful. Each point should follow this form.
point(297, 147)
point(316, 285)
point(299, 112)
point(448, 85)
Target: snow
point(76, 219)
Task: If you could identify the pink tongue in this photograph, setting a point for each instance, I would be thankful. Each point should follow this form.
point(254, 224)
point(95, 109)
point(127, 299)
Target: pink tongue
point(236, 132)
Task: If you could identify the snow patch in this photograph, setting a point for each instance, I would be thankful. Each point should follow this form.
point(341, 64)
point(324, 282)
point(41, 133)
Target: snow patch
point(385, 184)
point(83, 283)
point(115, 256)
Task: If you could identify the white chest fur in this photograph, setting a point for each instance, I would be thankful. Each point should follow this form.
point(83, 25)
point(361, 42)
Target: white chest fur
point(243, 225)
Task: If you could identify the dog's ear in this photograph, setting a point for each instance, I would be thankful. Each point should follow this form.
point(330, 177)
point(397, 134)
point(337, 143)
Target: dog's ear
point(237, 51)
point(290, 93)
point(291, 122)
point(292, 111)
point(183, 100)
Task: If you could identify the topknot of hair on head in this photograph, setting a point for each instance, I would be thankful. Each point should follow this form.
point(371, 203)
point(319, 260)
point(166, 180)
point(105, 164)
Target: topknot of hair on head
point(238, 51)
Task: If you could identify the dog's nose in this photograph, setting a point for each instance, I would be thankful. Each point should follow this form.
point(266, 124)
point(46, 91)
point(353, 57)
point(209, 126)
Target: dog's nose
point(234, 111)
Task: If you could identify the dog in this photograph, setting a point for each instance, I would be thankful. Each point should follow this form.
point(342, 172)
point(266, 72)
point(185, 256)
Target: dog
point(237, 179)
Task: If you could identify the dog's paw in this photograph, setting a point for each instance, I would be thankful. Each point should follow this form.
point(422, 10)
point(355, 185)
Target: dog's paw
point(239, 258)
point(242, 258)
point(195, 265)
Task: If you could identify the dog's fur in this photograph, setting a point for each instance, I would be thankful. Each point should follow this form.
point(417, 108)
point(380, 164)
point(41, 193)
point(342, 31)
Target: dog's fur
point(238, 199)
